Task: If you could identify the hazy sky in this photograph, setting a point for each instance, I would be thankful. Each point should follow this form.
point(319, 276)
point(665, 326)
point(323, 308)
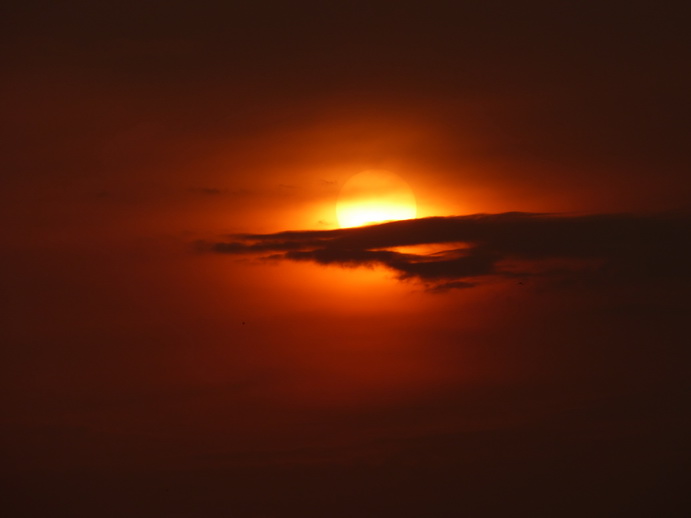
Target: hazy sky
point(187, 332)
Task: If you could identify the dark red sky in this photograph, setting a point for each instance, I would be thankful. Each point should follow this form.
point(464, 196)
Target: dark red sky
point(155, 363)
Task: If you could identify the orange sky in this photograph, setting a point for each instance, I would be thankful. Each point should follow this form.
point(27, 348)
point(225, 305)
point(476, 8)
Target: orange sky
point(169, 350)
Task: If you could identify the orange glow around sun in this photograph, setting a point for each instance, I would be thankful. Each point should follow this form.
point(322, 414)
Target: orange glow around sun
point(375, 196)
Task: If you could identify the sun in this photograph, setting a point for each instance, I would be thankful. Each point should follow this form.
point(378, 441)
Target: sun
point(374, 196)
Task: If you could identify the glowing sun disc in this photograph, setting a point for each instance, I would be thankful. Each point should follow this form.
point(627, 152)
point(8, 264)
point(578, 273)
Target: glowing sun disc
point(375, 196)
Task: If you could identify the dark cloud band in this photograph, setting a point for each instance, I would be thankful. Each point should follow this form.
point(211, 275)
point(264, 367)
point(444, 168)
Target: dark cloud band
point(483, 245)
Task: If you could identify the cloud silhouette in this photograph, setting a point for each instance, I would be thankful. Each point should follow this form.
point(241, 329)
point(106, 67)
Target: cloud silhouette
point(484, 245)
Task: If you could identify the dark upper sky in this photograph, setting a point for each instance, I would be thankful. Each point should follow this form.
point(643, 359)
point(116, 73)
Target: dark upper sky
point(536, 97)
point(528, 363)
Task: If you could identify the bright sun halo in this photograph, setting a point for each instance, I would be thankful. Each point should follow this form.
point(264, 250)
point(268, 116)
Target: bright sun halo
point(374, 196)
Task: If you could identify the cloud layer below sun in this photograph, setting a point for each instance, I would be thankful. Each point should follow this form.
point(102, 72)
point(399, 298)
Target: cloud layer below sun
point(482, 247)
